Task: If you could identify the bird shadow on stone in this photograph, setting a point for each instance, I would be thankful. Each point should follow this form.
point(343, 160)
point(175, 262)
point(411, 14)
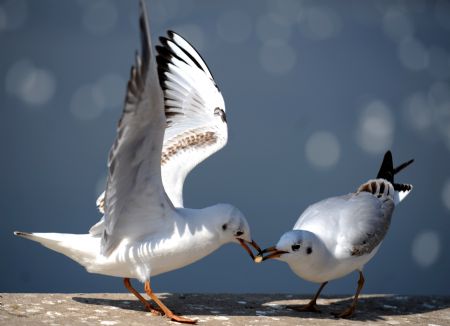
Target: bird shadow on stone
point(369, 308)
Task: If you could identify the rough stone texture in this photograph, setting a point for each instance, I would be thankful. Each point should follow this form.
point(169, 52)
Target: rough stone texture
point(218, 309)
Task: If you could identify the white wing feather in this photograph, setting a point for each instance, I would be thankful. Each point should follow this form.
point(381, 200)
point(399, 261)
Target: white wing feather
point(195, 112)
point(135, 201)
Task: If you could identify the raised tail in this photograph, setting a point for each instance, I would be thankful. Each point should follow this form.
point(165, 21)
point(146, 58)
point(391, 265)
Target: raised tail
point(387, 172)
point(83, 248)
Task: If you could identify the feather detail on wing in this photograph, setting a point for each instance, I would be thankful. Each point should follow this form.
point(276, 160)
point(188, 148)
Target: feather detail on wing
point(135, 201)
point(195, 113)
point(357, 222)
point(371, 222)
point(381, 187)
point(387, 172)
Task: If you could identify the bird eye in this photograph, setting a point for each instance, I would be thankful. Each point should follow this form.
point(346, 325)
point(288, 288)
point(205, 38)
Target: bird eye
point(224, 227)
point(295, 247)
point(239, 233)
point(309, 250)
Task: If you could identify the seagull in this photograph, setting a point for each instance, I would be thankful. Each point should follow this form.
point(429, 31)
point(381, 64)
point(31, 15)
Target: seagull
point(339, 235)
point(173, 118)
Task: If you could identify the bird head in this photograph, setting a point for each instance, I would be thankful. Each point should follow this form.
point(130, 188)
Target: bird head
point(293, 245)
point(233, 227)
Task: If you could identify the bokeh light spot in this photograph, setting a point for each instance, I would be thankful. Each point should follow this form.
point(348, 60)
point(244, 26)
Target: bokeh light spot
point(426, 248)
point(289, 10)
point(322, 149)
point(234, 26)
point(418, 112)
point(375, 128)
point(277, 57)
point(86, 103)
point(412, 54)
point(272, 27)
point(321, 23)
point(34, 86)
point(13, 14)
point(99, 17)
point(397, 24)
point(111, 87)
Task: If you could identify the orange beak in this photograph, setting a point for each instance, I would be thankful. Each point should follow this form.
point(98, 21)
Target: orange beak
point(273, 253)
point(253, 244)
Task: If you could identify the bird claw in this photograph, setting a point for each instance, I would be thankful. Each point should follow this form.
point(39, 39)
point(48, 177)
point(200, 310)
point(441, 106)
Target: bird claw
point(183, 320)
point(156, 312)
point(347, 313)
point(310, 307)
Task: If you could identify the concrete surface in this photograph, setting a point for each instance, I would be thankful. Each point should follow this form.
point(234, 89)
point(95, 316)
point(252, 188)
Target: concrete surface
point(218, 309)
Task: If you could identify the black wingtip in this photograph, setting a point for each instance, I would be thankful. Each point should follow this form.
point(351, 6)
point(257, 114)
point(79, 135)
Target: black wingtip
point(387, 168)
point(402, 187)
point(145, 30)
point(22, 234)
point(171, 33)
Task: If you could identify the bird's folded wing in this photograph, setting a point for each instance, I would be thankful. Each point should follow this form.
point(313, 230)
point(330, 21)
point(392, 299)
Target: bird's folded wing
point(195, 112)
point(353, 224)
point(135, 202)
point(367, 221)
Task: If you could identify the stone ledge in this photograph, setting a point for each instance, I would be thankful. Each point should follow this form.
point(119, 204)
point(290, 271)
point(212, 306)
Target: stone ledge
point(218, 309)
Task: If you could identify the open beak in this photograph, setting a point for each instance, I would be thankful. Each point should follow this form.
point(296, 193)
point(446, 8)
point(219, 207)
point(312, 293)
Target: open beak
point(273, 252)
point(253, 244)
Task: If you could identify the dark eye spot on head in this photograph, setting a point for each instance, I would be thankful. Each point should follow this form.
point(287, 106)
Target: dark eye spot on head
point(295, 247)
point(239, 233)
point(224, 227)
point(309, 250)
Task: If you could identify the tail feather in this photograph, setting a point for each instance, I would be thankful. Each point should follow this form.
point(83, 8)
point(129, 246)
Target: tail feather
point(387, 172)
point(387, 168)
point(402, 166)
point(82, 248)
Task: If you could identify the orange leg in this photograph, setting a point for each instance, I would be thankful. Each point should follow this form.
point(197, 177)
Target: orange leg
point(311, 306)
point(153, 310)
point(347, 313)
point(166, 310)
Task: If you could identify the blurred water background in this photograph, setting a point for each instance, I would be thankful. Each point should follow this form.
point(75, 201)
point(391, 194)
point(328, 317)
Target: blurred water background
point(316, 92)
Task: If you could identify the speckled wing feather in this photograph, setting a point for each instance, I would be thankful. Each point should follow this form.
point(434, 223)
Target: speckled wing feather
point(136, 203)
point(195, 112)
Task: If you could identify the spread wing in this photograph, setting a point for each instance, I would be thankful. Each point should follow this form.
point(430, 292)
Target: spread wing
point(135, 201)
point(195, 113)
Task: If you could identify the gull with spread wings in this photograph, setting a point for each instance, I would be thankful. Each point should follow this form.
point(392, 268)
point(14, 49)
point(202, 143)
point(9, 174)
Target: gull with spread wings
point(173, 119)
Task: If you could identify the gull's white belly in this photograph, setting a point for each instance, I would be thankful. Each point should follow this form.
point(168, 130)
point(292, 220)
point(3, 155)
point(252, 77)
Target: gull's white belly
point(156, 255)
point(332, 269)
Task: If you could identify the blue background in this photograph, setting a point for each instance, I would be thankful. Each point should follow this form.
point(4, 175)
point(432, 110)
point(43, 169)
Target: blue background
point(315, 92)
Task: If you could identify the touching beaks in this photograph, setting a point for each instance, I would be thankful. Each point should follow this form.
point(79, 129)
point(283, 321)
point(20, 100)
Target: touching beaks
point(273, 252)
point(253, 244)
